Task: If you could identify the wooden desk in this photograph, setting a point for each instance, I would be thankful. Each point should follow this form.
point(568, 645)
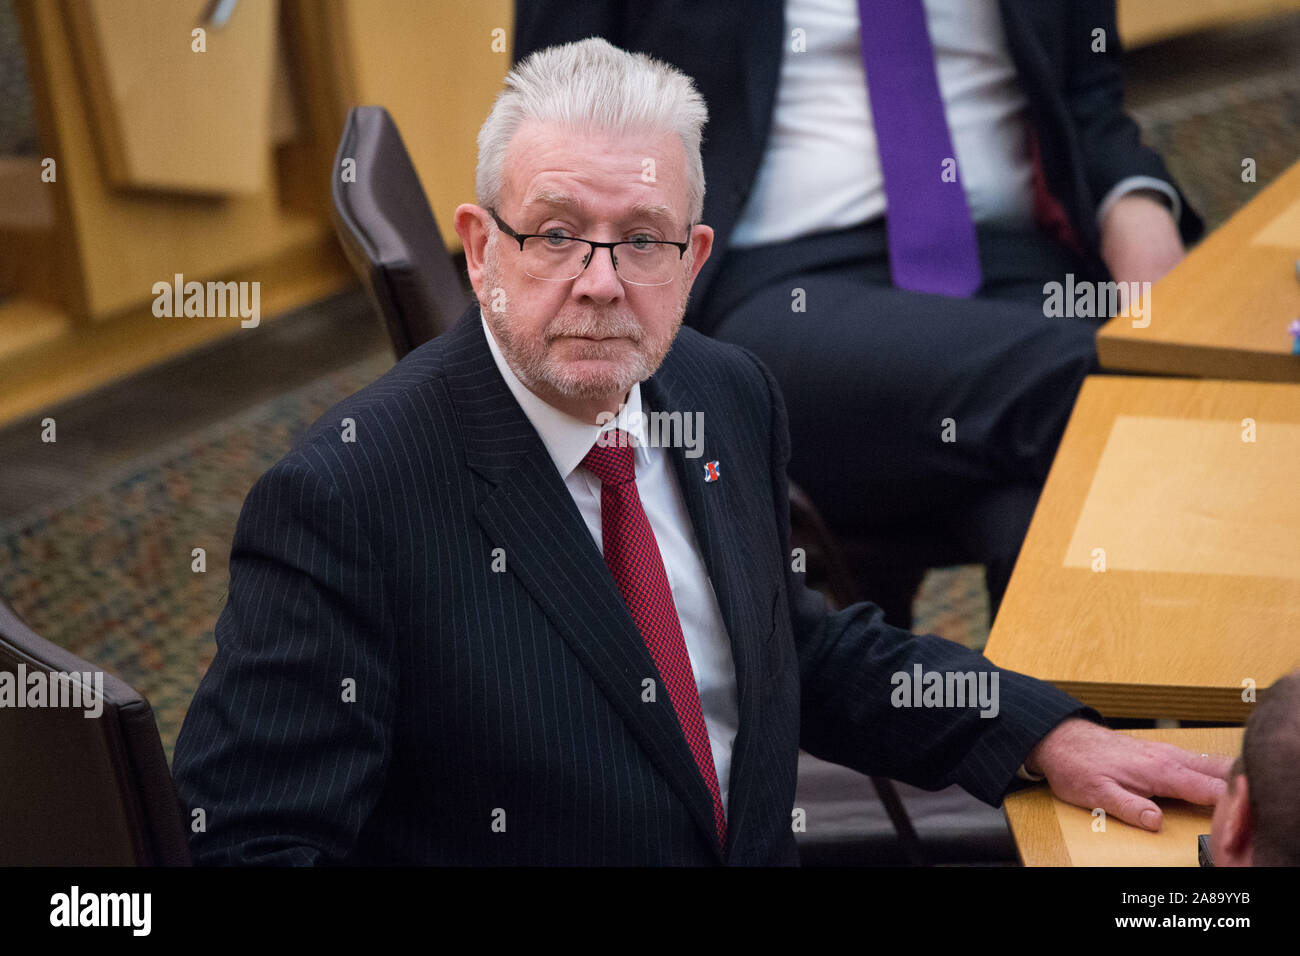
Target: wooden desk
point(1049, 832)
point(1223, 311)
point(1146, 21)
point(1199, 532)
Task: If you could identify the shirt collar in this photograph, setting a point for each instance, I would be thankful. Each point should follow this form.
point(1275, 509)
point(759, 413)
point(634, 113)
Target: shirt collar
point(568, 439)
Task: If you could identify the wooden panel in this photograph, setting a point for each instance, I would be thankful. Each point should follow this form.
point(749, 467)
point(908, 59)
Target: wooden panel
point(30, 265)
point(116, 245)
point(29, 254)
point(285, 125)
point(433, 67)
point(167, 117)
point(26, 203)
point(1164, 634)
point(1050, 832)
point(1145, 21)
point(1223, 311)
point(44, 361)
point(320, 82)
point(26, 324)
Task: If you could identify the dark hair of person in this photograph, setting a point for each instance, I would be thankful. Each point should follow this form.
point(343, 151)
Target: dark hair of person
point(1270, 759)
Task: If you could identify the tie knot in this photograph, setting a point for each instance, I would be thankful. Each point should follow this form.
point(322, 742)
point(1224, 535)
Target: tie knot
point(612, 459)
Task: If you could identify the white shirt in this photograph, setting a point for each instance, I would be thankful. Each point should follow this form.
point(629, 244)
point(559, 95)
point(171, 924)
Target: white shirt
point(568, 440)
point(821, 166)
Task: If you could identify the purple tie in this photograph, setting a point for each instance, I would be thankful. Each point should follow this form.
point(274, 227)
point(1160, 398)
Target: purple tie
point(931, 236)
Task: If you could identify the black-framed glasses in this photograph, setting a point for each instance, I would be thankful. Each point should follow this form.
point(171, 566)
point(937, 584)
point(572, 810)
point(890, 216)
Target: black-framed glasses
point(560, 258)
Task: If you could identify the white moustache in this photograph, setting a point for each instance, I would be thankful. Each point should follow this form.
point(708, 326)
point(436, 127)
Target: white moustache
point(591, 328)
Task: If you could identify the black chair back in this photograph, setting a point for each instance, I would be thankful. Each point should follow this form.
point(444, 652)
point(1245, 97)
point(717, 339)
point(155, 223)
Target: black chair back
point(389, 234)
point(76, 788)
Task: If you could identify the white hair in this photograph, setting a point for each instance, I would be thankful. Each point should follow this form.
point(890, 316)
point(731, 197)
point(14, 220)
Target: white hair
point(591, 85)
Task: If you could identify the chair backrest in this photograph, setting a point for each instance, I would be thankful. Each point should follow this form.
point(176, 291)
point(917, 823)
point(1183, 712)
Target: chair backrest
point(389, 234)
point(78, 789)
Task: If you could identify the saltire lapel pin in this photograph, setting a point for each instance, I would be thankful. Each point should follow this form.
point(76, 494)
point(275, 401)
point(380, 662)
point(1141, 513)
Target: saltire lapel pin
point(711, 471)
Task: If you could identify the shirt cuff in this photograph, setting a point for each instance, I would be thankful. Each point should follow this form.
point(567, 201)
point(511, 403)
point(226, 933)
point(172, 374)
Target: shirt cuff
point(1024, 774)
point(1131, 184)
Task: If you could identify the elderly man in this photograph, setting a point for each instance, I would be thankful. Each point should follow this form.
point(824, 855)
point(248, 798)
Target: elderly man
point(1257, 822)
point(507, 623)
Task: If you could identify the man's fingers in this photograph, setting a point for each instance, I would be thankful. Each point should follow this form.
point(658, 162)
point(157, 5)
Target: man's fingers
point(1216, 765)
point(1174, 778)
point(1167, 775)
point(1133, 809)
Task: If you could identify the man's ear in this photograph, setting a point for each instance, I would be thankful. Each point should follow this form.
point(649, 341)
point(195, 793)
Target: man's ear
point(473, 225)
point(701, 246)
point(1235, 840)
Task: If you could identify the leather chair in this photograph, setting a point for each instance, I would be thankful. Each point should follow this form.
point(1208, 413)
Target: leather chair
point(392, 241)
point(77, 790)
point(389, 235)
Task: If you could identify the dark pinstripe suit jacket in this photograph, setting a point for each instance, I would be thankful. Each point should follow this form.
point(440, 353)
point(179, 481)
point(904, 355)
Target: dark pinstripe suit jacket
point(382, 694)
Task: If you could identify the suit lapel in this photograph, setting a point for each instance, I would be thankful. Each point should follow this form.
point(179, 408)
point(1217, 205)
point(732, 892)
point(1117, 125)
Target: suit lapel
point(719, 512)
point(530, 514)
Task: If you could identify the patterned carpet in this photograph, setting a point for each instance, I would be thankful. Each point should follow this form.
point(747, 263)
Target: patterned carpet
point(1204, 137)
point(108, 575)
point(17, 122)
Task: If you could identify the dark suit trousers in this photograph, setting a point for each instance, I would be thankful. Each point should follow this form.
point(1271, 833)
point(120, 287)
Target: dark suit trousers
point(872, 374)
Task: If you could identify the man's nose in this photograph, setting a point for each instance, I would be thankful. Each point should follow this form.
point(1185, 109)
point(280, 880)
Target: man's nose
point(599, 280)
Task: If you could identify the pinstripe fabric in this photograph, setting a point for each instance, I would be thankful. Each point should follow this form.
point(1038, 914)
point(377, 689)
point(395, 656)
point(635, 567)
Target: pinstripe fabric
point(384, 692)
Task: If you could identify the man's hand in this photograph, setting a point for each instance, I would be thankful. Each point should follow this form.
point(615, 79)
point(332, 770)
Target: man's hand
point(1091, 767)
point(1139, 238)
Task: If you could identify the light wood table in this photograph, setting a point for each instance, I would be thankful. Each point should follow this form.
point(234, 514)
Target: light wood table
point(1146, 21)
point(1162, 567)
point(1050, 832)
point(1223, 311)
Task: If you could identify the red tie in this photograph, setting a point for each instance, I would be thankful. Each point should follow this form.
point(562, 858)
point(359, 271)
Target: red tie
point(632, 556)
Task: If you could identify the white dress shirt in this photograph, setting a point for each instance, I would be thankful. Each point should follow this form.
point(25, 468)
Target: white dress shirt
point(821, 166)
point(568, 440)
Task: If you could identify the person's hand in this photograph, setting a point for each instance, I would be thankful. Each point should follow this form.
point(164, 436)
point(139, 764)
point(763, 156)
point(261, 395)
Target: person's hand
point(1091, 766)
point(1139, 239)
